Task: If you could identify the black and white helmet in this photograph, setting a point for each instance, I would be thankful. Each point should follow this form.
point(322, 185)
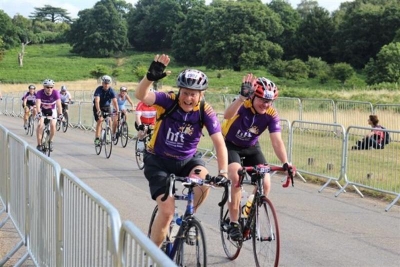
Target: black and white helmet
point(31, 86)
point(106, 79)
point(192, 79)
point(48, 82)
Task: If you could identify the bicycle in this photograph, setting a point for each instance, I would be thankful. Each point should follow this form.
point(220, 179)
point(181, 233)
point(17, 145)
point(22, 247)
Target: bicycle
point(261, 225)
point(46, 136)
point(188, 246)
point(30, 123)
point(122, 130)
point(65, 121)
point(105, 136)
point(139, 152)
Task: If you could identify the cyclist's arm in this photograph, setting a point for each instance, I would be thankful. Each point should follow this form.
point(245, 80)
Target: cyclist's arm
point(115, 104)
point(97, 103)
point(25, 100)
point(222, 154)
point(138, 120)
point(143, 93)
point(38, 105)
point(278, 146)
point(69, 97)
point(233, 108)
point(129, 100)
point(59, 107)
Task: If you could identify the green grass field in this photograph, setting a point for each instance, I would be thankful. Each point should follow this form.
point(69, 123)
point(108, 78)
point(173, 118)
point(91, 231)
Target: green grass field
point(56, 61)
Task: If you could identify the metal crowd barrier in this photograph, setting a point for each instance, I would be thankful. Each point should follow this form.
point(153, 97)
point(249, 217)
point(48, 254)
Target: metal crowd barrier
point(373, 169)
point(59, 219)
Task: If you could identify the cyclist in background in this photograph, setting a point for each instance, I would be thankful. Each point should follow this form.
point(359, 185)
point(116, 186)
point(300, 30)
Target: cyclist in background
point(248, 116)
point(145, 115)
point(104, 95)
point(29, 101)
point(66, 98)
point(173, 146)
point(122, 97)
point(48, 102)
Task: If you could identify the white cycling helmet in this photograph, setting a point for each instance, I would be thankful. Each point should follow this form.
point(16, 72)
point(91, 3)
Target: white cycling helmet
point(106, 79)
point(63, 88)
point(48, 83)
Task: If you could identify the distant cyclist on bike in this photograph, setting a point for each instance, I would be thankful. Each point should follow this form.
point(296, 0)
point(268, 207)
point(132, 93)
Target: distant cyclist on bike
point(104, 95)
point(29, 101)
point(48, 103)
point(145, 116)
point(66, 98)
point(122, 97)
point(245, 120)
point(173, 145)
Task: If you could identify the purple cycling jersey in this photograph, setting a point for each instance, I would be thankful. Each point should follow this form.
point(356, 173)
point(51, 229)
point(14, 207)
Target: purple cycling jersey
point(246, 126)
point(48, 102)
point(179, 133)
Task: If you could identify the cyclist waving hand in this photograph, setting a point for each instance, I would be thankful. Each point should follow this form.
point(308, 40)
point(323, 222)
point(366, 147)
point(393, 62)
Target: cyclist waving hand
point(173, 146)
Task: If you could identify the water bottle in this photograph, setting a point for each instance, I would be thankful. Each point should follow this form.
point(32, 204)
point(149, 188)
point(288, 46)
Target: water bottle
point(174, 225)
point(247, 207)
point(243, 199)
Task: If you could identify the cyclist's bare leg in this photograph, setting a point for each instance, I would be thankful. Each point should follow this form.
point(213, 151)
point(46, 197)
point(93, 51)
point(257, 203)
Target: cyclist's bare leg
point(52, 129)
point(98, 127)
point(161, 222)
point(26, 115)
point(200, 192)
point(39, 130)
point(236, 192)
point(267, 184)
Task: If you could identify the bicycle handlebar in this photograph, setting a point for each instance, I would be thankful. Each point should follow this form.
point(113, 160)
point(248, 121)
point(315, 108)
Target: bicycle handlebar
point(194, 181)
point(265, 168)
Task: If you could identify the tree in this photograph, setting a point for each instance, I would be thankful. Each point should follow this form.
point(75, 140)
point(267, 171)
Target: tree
point(50, 13)
point(317, 67)
point(153, 22)
point(366, 26)
point(290, 20)
point(314, 35)
point(306, 6)
point(8, 32)
point(386, 67)
point(342, 71)
point(245, 45)
point(99, 31)
point(188, 37)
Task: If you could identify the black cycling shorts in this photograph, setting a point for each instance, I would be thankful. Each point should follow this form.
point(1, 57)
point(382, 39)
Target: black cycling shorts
point(156, 170)
point(253, 155)
point(103, 109)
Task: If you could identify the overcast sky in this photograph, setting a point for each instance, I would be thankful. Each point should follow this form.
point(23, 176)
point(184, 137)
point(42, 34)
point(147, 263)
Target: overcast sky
point(26, 7)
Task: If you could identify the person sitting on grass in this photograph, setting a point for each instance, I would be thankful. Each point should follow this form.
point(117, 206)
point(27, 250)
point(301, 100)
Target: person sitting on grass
point(374, 139)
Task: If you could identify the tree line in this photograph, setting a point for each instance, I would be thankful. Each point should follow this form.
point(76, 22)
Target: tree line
point(295, 43)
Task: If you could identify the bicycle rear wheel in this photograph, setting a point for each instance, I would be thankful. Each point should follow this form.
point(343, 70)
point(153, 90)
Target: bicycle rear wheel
point(65, 122)
point(192, 250)
point(139, 155)
point(124, 134)
point(31, 125)
point(265, 235)
point(107, 142)
point(231, 248)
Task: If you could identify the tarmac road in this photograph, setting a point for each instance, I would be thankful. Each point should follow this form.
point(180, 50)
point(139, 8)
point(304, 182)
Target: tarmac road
point(317, 229)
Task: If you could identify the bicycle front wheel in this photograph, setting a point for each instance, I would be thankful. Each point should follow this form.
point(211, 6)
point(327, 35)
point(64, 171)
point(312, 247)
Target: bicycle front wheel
point(231, 248)
point(124, 134)
point(192, 249)
point(265, 234)
point(65, 122)
point(100, 145)
point(31, 125)
point(139, 154)
point(107, 142)
point(46, 142)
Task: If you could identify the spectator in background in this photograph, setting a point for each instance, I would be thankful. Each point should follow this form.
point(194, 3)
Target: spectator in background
point(375, 139)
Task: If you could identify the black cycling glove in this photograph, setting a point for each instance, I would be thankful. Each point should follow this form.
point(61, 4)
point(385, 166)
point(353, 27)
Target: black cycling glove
point(141, 127)
point(156, 71)
point(288, 168)
point(246, 89)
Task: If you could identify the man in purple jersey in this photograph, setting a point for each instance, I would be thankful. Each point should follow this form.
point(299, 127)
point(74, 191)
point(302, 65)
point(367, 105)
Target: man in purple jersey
point(249, 115)
point(48, 102)
point(173, 145)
